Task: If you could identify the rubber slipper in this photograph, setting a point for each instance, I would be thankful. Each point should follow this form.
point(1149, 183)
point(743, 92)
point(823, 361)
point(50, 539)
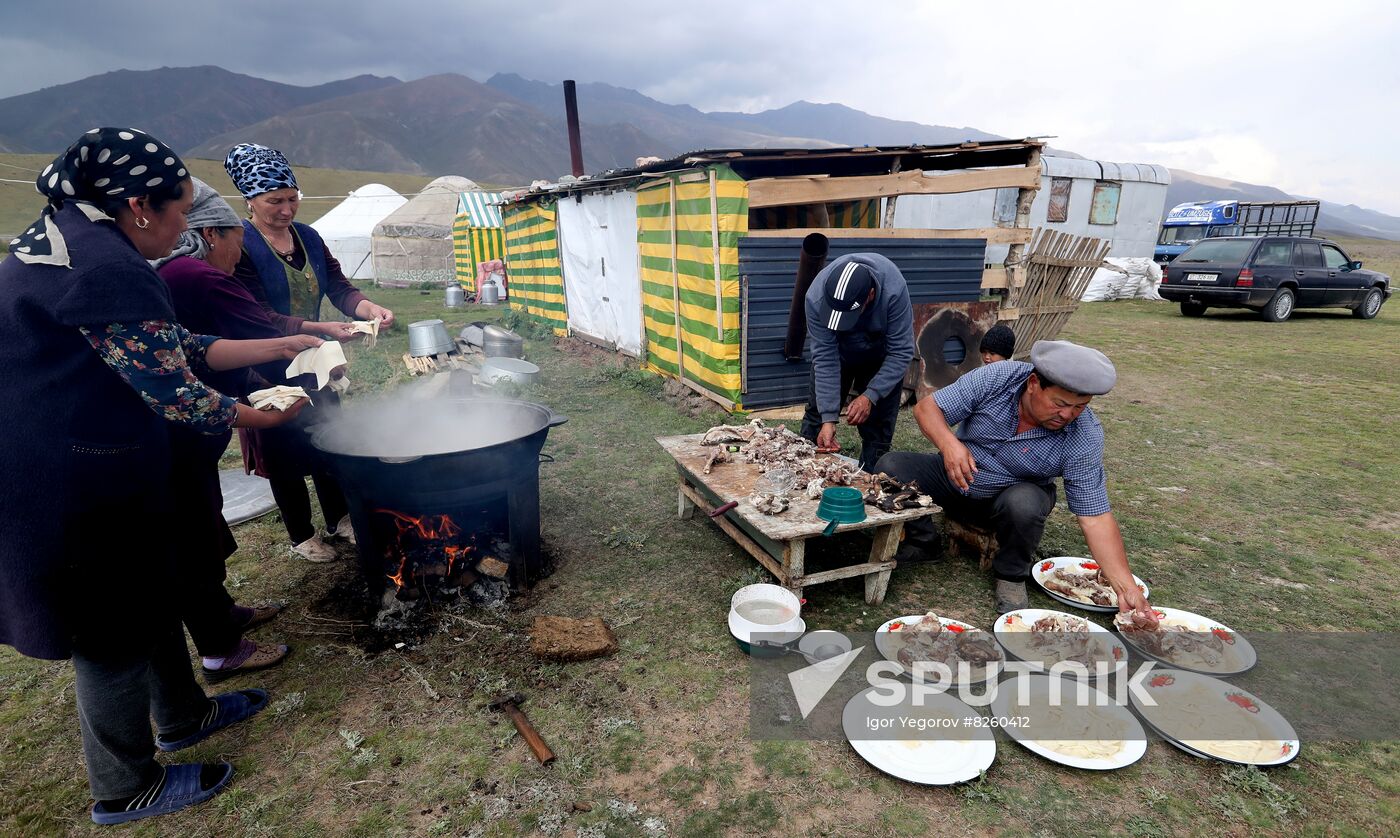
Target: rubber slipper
point(179, 789)
point(261, 657)
point(228, 709)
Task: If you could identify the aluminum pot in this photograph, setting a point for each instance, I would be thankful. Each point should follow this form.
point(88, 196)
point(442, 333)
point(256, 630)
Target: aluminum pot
point(501, 343)
point(428, 337)
point(509, 369)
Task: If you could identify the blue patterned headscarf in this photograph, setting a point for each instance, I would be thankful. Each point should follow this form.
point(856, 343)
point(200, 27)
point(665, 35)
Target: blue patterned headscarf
point(256, 169)
point(104, 165)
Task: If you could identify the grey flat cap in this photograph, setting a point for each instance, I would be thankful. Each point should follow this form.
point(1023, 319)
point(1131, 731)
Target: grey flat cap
point(1078, 368)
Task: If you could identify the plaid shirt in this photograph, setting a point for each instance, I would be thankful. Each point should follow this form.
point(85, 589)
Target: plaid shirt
point(986, 402)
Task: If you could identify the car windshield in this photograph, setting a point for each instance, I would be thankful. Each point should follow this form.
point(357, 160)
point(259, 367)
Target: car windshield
point(1182, 235)
point(1218, 250)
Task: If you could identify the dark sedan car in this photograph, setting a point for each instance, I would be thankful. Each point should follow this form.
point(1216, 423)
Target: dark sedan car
point(1272, 276)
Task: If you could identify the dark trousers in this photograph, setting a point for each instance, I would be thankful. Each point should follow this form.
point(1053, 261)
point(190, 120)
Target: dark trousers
point(877, 431)
point(118, 693)
point(294, 502)
point(1017, 515)
point(204, 542)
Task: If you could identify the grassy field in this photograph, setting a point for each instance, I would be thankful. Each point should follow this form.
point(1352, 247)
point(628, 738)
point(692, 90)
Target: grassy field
point(1252, 466)
point(20, 204)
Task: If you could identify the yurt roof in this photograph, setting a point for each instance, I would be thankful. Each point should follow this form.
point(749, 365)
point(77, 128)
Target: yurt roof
point(428, 214)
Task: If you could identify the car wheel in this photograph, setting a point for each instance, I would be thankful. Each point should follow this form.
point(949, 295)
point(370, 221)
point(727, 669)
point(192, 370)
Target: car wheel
point(1370, 306)
point(1280, 307)
point(1193, 309)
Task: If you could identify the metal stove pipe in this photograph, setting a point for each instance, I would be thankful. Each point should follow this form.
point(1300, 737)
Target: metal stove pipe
point(811, 262)
point(571, 114)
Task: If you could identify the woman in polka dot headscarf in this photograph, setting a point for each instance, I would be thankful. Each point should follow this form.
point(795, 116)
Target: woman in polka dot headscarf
point(93, 367)
point(110, 174)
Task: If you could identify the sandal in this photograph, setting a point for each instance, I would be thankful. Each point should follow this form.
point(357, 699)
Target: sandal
point(258, 614)
point(258, 657)
point(226, 709)
point(179, 788)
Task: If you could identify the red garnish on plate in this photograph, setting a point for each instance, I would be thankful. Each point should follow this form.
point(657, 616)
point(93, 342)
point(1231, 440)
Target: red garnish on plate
point(1010, 619)
point(1161, 615)
point(1118, 653)
point(1089, 565)
point(1287, 748)
point(1242, 701)
point(1223, 635)
point(1046, 566)
point(1162, 681)
point(896, 625)
point(954, 628)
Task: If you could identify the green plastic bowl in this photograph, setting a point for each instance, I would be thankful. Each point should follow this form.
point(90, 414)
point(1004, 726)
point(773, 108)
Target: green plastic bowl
point(842, 504)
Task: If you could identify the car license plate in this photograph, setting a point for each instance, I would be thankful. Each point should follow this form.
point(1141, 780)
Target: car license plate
point(1201, 277)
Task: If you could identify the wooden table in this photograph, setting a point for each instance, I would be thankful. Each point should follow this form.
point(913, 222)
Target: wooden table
point(778, 542)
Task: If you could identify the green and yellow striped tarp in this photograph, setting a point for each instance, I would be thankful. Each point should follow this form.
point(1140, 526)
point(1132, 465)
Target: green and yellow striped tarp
point(691, 277)
point(535, 281)
point(473, 245)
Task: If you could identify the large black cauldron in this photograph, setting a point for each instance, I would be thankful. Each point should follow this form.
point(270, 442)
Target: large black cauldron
point(472, 459)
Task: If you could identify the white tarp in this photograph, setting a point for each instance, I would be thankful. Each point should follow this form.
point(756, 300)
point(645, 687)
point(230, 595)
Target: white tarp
point(602, 283)
point(1124, 279)
point(349, 226)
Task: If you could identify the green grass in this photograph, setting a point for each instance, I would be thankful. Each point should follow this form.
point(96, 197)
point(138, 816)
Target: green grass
point(1278, 433)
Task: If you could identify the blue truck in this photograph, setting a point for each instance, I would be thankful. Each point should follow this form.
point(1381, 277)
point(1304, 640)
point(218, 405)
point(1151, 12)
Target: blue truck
point(1188, 223)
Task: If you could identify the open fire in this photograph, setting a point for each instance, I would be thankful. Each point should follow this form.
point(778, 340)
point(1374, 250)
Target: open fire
point(431, 555)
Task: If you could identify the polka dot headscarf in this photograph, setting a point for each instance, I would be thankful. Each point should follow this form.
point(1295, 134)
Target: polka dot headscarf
point(104, 164)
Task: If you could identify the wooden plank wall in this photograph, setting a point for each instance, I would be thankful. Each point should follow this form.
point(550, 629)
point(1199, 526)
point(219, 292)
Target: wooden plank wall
point(1057, 267)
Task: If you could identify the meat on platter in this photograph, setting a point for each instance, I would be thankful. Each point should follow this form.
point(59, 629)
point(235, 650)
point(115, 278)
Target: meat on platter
point(792, 465)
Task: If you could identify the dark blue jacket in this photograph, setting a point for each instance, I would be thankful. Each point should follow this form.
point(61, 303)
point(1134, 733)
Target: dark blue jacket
point(272, 271)
point(84, 555)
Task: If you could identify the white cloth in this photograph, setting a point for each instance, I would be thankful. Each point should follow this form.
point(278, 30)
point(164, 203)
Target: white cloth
point(280, 397)
point(367, 327)
point(320, 360)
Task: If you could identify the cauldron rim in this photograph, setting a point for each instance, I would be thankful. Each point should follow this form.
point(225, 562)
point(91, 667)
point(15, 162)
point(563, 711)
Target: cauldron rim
point(547, 419)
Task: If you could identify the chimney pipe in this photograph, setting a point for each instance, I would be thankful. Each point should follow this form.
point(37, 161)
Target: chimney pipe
point(571, 113)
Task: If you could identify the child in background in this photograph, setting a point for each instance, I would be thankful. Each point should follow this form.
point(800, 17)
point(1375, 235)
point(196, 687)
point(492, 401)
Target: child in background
point(998, 344)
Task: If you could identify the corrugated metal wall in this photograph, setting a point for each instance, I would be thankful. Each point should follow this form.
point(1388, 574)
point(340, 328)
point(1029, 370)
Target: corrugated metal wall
point(937, 271)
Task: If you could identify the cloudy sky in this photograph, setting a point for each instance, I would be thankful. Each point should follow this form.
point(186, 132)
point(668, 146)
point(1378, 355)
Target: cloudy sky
point(1297, 95)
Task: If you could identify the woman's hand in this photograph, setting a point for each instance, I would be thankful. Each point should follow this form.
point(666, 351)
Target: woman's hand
point(331, 330)
point(251, 417)
point(367, 310)
point(293, 345)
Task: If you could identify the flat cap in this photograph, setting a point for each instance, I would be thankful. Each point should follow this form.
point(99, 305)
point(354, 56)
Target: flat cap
point(1077, 368)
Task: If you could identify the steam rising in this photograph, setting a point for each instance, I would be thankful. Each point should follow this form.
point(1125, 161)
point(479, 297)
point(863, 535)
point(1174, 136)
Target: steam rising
point(401, 428)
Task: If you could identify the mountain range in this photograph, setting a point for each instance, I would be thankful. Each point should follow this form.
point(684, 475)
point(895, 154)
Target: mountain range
point(508, 130)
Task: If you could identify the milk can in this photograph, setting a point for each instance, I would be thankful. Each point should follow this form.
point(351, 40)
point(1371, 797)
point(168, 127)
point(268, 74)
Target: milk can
point(455, 296)
point(490, 293)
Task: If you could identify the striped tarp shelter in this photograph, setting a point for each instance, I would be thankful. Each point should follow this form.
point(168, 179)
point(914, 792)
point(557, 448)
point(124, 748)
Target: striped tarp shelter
point(532, 263)
point(688, 230)
point(477, 235)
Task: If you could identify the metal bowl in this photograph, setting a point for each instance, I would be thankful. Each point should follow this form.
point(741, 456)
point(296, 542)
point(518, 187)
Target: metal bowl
point(509, 369)
point(428, 337)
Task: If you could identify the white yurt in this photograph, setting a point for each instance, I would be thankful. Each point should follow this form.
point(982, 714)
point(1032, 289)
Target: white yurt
point(349, 227)
point(413, 244)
